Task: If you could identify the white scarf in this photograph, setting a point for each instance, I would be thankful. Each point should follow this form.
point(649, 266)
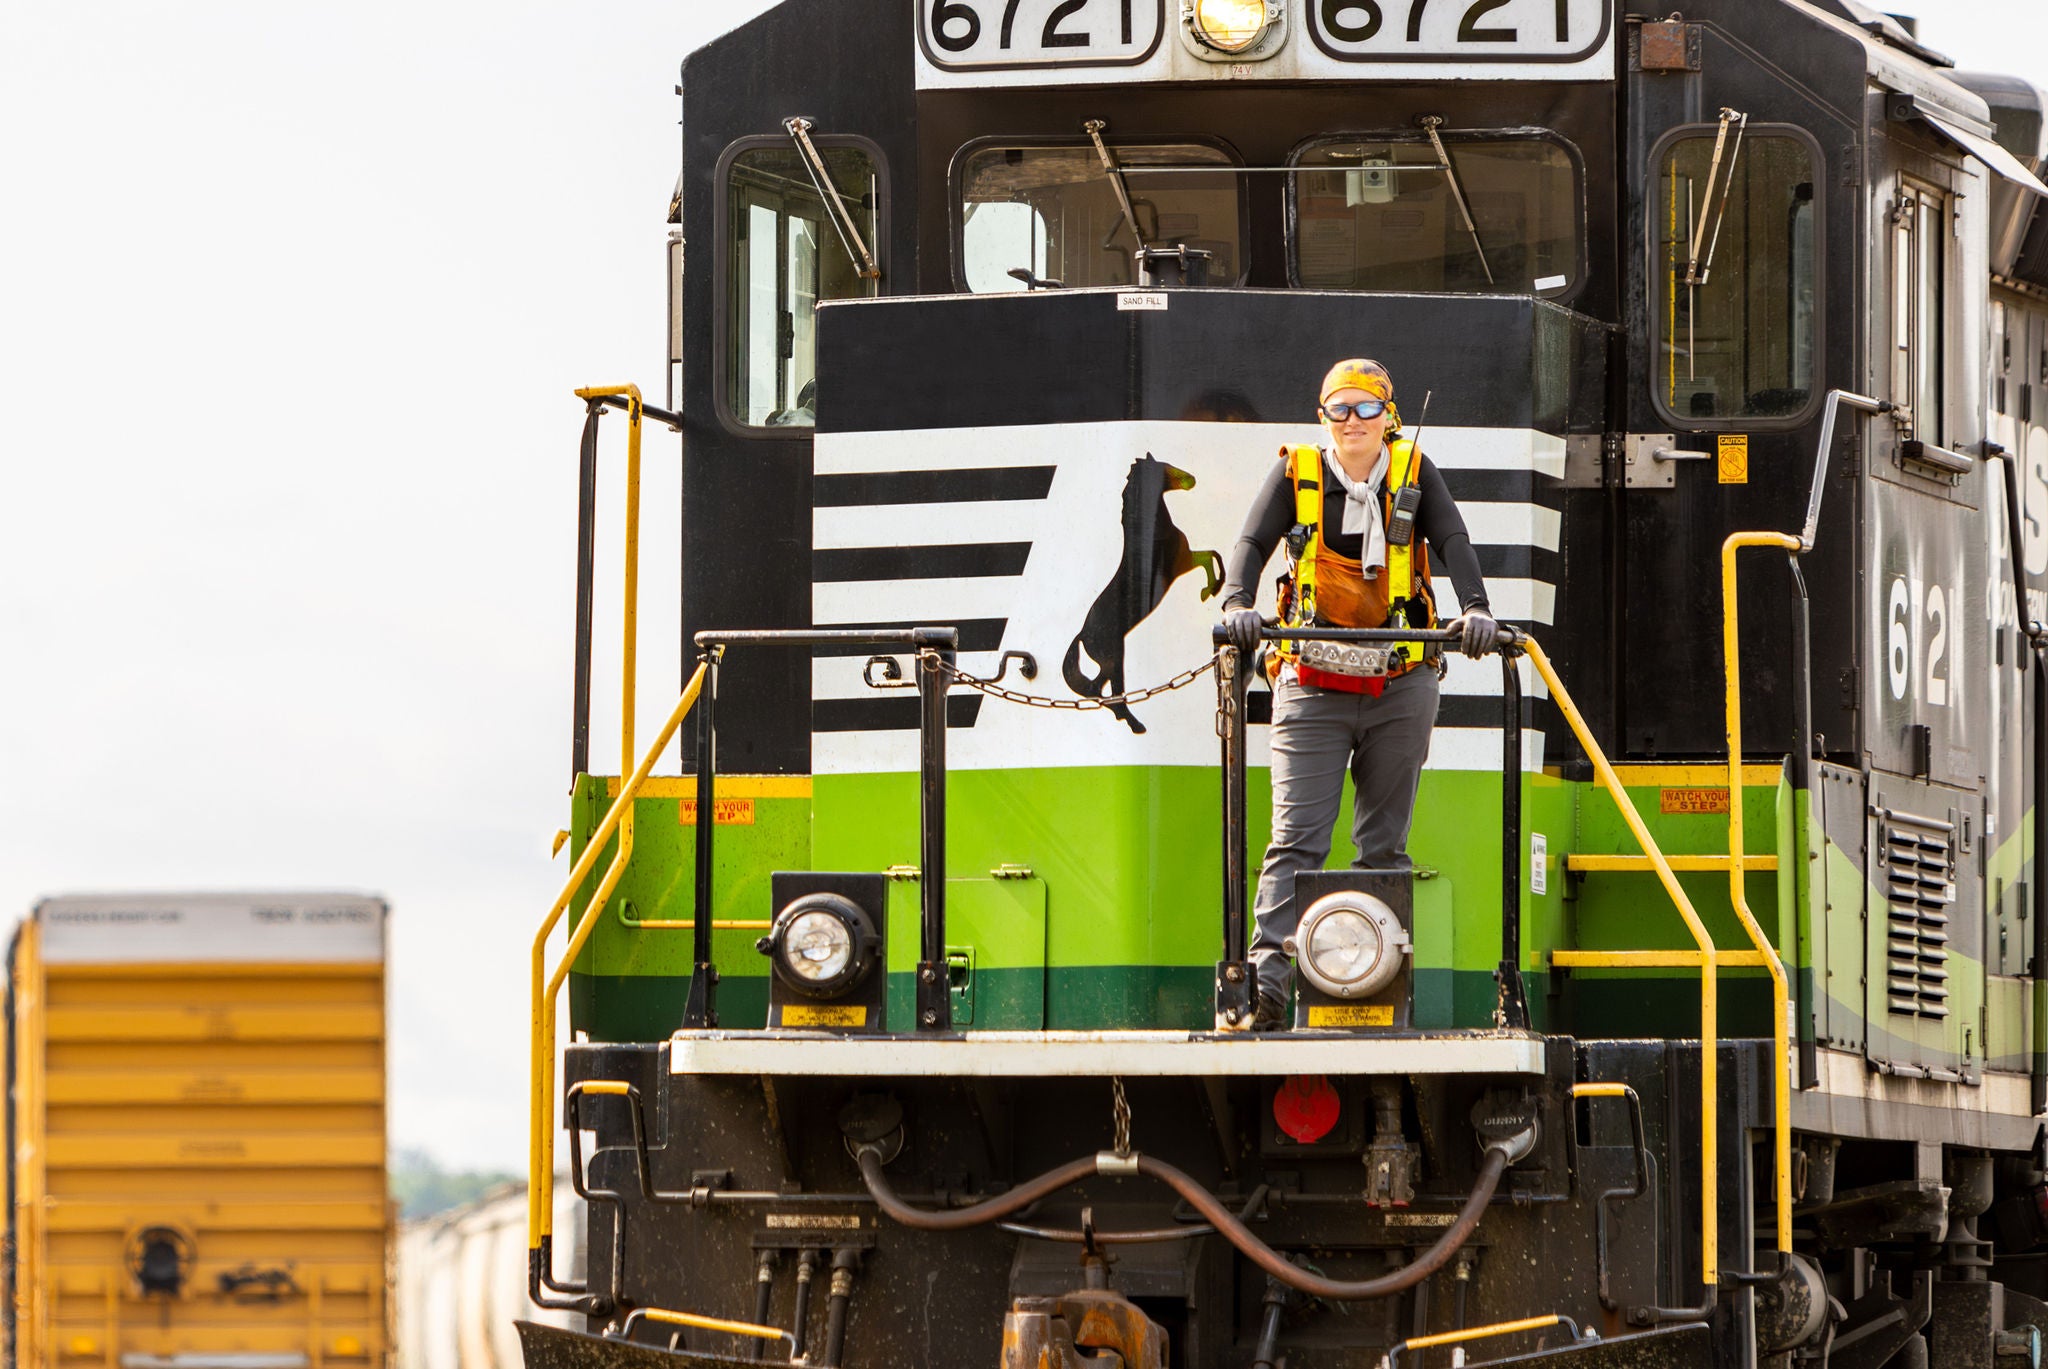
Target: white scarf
point(1362, 509)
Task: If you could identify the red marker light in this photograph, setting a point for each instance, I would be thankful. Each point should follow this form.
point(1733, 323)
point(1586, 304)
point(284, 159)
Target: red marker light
point(1306, 1107)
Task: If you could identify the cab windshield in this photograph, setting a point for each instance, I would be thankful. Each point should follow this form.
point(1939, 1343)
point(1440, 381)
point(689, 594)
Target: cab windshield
point(1498, 214)
point(1052, 212)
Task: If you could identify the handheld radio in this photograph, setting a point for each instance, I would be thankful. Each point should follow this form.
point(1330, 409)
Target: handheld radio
point(1408, 499)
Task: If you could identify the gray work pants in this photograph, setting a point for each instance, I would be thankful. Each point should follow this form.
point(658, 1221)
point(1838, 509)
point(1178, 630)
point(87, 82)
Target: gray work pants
point(1317, 735)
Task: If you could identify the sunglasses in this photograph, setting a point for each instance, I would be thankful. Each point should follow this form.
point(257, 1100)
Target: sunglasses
point(1364, 408)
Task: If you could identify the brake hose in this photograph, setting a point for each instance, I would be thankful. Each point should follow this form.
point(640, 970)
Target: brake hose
point(1211, 1210)
point(961, 1218)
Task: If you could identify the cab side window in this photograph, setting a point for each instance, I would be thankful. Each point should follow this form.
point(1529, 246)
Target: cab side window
point(1920, 233)
point(784, 254)
point(1734, 293)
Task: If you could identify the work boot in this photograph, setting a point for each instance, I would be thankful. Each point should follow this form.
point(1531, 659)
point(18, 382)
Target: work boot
point(1270, 1010)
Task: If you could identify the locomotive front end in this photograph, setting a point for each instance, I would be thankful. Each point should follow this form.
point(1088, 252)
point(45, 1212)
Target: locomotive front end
point(916, 1019)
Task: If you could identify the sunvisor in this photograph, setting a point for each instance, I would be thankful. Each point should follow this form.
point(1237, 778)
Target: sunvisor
point(1950, 129)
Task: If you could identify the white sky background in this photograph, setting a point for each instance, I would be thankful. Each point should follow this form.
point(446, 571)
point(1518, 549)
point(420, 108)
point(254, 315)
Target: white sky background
point(292, 297)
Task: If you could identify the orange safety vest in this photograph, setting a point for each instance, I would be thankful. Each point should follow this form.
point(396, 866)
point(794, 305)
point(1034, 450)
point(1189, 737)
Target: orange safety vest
point(1323, 589)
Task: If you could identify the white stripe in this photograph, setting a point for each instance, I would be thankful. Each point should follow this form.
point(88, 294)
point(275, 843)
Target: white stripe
point(921, 601)
point(839, 677)
point(1519, 451)
point(1512, 525)
point(871, 753)
point(1513, 450)
point(842, 677)
point(1096, 1054)
point(905, 525)
point(961, 449)
point(1515, 599)
point(1482, 677)
point(1478, 748)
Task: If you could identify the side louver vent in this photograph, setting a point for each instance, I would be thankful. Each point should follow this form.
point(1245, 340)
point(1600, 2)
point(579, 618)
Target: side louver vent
point(1920, 883)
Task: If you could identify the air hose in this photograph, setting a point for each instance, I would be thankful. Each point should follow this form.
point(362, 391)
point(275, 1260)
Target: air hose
point(962, 1218)
point(1211, 1210)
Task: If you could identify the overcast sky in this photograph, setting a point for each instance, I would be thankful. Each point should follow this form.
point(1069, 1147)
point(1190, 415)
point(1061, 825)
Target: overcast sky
point(292, 297)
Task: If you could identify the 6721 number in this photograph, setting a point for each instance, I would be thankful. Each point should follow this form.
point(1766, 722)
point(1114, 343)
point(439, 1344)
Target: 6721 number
point(956, 26)
point(1359, 21)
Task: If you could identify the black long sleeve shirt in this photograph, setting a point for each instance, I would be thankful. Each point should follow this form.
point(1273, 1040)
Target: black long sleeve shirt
point(1437, 521)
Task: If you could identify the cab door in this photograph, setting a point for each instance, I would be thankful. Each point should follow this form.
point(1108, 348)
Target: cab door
point(1741, 211)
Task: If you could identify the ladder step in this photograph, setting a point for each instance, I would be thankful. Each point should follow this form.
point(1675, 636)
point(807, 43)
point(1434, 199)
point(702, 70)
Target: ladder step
point(1599, 865)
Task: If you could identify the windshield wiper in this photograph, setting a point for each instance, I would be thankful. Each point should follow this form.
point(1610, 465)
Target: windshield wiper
point(1094, 128)
point(799, 131)
point(1430, 124)
point(1696, 268)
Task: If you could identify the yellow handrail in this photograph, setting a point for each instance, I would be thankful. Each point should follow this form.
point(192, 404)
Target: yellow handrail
point(629, 628)
point(665, 1317)
point(629, 618)
point(1709, 960)
point(540, 1217)
point(540, 1169)
point(1781, 1069)
point(1500, 1328)
point(689, 924)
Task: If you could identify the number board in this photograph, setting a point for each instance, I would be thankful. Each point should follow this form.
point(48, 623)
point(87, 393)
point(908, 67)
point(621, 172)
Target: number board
point(1517, 32)
point(1000, 35)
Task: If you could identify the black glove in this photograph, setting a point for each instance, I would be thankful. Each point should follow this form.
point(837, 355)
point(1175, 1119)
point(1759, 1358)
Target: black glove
point(1481, 632)
point(1242, 626)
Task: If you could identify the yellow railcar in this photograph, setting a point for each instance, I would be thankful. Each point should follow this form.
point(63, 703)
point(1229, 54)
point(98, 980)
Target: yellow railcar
point(198, 1134)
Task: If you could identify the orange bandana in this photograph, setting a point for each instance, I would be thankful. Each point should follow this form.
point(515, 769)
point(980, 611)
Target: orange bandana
point(1359, 373)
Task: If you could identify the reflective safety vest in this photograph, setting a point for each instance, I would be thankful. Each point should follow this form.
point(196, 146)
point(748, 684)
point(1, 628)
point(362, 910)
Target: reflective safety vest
point(1324, 589)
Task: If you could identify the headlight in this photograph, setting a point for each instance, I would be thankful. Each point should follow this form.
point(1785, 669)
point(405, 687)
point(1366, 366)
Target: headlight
point(1350, 944)
point(817, 947)
point(1230, 25)
point(822, 945)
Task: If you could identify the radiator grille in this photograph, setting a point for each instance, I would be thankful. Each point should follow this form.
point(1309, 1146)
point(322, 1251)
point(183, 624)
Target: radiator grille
point(1920, 883)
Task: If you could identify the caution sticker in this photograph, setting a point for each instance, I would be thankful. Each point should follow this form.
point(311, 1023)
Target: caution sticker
point(824, 1015)
point(1733, 452)
point(1351, 1015)
point(724, 812)
point(1692, 800)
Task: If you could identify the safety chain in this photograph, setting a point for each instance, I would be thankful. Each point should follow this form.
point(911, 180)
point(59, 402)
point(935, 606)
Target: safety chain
point(1120, 1112)
point(1226, 695)
point(1077, 705)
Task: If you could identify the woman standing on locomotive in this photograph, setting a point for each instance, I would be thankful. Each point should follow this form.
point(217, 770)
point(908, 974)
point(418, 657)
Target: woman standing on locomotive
point(1366, 567)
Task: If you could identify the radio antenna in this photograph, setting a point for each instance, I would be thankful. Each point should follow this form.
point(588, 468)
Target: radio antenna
point(1417, 439)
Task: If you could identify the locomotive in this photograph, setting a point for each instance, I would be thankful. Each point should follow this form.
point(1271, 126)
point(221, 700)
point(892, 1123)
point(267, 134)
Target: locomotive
point(1710, 1026)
